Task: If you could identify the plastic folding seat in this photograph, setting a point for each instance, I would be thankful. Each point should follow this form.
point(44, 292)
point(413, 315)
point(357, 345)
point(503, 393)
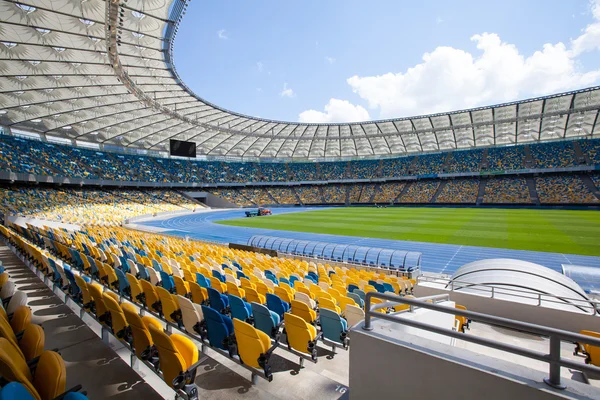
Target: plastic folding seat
point(182, 288)
point(167, 281)
point(86, 298)
point(354, 315)
point(8, 289)
point(253, 296)
point(239, 308)
point(344, 300)
point(199, 295)
point(216, 284)
point(32, 341)
point(17, 299)
point(123, 282)
point(359, 302)
point(352, 287)
point(15, 391)
point(73, 288)
point(3, 278)
point(253, 346)
point(120, 327)
point(142, 341)
point(246, 284)
point(111, 277)
point(191, 314)
point(202, 281)
point(334, 327)
point(303, 311)
point(240, 275)
point(102, 312)
point(169, 305)
point(218, 275)
point(178, 357)
point(136, 290)
point(387, 287)
point(217, 301)
point(152, 299)
point(283, 294)
point(234, 290)
point(463, 322)
point(50, 373)
point(360, 293)
point(263, 289)
point(219, 329)
point(154, 276)
point(20, 319)
point(326, 303)
point(303, 297)
point(275, 304)
point(301, 336)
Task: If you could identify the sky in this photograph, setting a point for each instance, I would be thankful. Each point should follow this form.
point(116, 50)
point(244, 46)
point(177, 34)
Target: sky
point(356, 60)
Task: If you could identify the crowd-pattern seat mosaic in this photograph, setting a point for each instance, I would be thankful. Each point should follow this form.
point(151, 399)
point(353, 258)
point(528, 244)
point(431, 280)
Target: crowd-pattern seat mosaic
point(459, 191)
point(419, 192)
point(505, 158)
point(333, 170)
point(553, 155)
point(564, 189)
point(506, 190)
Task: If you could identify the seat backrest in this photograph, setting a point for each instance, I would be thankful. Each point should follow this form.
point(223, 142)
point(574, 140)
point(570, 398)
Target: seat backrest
point(8, 289)
point(136, 287)
point(32, 342)
point(238, 308)
point(325, 303)
point(96, 293)
point(19, 298)
point(175, 352)
point(168, 302)
point(123, 282)
point(139, 329)
point(190, 313)
point(50, 375)
point(303, 297)
point(303, 311)
point(199, 294)
point(251, 342)
point(359, 302)
point(262, 318)
point(215, 300)
point(283, 294)
point(150, 294)
point(253, 296)
point(219, 327)
point(274, 303)
point(15, 391)
point(354, 314)
point(299, 333)
point(202, 281)
point(119, 323)
point(13, 367)
point(332, 325)
point(20, 319)
point(180, 286)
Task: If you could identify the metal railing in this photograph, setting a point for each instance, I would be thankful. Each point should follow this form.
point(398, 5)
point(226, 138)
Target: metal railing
point(589, 306)
point(553, 357)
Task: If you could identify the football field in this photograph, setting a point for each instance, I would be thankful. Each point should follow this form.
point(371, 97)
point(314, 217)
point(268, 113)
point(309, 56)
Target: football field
point(557, 231)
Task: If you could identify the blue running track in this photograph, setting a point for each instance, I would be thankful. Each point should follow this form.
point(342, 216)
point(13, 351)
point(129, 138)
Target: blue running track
point(443, 258)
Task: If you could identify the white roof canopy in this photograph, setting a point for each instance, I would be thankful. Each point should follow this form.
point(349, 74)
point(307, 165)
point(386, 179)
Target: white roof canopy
point(103, 72)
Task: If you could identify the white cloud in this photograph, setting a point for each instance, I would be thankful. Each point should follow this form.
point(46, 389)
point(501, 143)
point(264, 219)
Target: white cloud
point(259, 66)
point(222, 34)
point(287, 92)
point(336, 111)
point(330, 60)
point(589, 40)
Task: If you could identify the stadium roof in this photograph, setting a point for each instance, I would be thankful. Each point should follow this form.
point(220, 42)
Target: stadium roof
point(102, 71)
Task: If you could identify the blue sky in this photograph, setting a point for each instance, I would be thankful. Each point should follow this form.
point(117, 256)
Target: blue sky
point(353, 60)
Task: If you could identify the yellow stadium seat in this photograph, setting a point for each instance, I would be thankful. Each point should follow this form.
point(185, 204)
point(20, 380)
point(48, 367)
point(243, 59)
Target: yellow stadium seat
point(303, 311)
point(254, 346)
point(301, 336)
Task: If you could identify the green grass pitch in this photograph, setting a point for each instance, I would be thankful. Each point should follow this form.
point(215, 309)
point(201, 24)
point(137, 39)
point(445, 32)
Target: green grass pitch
point(560, 231)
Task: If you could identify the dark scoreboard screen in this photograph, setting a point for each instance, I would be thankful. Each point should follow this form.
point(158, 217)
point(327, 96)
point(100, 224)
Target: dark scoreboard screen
point(183, 149)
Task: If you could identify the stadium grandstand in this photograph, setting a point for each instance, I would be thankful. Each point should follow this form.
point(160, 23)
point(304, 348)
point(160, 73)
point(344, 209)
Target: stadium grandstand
point(129, 269)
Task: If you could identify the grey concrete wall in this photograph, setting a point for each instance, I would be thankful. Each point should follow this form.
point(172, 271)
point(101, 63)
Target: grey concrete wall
point(423, 369)
point(559, 319)
point(211, 200)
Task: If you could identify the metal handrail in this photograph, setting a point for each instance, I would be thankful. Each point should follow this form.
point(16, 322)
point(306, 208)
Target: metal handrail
point(494, 290)
point(553, 357)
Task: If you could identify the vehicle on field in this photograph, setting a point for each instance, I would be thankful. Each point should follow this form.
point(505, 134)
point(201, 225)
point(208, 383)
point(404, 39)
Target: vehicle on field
point(260, 212)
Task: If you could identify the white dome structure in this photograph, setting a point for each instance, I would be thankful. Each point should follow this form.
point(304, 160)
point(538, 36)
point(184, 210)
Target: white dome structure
point(521, 281)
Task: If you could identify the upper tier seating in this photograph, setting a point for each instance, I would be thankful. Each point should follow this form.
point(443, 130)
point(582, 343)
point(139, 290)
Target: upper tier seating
point(365, 169)
point(553, 155)
point(395, 167)
point(464, 161)
point(303, 171)
point(591, 148)
point(333, 170)
point(429, 164)
point(505, 158)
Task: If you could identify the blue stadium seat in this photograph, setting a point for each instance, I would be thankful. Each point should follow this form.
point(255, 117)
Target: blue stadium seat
point(239, 308)
point(219, 328)
point(217, 301)
point(275, 304)
point(266, 320)
point(334, 327)
point(202, 281)
point(167, 281)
